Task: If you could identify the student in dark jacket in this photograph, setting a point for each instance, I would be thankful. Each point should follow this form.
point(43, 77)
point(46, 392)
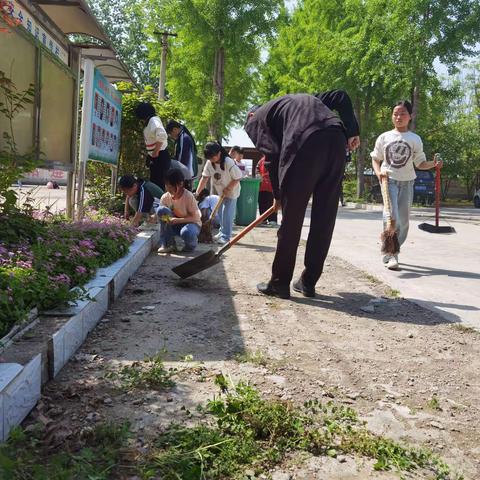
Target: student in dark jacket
point(185, 149)
point(304, 143)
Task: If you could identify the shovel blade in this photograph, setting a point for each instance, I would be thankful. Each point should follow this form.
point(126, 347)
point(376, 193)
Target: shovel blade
point(197, 264)
point(427, 227)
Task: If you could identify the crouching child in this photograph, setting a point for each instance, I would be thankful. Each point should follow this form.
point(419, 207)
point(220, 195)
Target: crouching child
point(178, 214)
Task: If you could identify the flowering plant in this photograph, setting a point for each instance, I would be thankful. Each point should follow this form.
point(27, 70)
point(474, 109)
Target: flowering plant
point(40, 268)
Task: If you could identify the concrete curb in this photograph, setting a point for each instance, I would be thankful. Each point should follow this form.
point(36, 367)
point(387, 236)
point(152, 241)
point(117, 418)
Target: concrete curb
point(23, 374)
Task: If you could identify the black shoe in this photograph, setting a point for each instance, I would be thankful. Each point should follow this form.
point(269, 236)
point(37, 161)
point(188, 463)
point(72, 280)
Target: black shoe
point(300, 287)
point(274, 290)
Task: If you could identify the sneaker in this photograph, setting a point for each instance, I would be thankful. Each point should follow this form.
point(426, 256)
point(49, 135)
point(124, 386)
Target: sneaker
point(385, 259)
point(392, 263)
point(221, 241)
point(217, 236)
point(166, 249)
point(272, 290)
point(306, 290)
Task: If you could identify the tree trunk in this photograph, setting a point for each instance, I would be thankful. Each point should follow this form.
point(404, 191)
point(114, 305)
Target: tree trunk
point(216, 126)
point(416, 99)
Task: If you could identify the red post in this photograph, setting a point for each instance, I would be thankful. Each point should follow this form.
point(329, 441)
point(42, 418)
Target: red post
point(437, 195)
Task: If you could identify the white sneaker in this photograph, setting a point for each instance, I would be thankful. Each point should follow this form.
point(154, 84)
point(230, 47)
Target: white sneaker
point(217, 236)
point(165, 249)
point(392, 263)
point(221, 241)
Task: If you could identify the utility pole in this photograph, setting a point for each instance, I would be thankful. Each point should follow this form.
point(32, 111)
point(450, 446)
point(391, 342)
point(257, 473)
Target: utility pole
point(163, 64)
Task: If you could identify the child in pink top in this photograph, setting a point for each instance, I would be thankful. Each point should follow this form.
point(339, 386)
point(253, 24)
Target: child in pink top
point(178, 213)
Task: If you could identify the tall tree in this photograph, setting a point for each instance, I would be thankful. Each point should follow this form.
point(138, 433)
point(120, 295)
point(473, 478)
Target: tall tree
point(125, 24)
point(378, 50)
point(213, 61)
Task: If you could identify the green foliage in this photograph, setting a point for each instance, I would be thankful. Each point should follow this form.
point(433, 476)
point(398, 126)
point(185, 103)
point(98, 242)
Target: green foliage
point(244, 435)
point(379, 52)
point(28, 456)
point(13, 164)
point(211, 98)
point(149, 374)
point(41, 262)
point(128, 35)
point(253, 434)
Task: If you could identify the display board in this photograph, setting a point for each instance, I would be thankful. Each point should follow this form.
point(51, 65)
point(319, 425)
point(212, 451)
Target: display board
point(17, 61)
point(106, 116)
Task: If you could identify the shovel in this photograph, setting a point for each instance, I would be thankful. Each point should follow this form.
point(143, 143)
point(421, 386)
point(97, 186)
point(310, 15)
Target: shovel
point(210, 258)
point(427, 227)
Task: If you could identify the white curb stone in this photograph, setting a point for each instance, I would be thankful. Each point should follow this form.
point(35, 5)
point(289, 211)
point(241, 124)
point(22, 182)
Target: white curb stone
point(20, 385)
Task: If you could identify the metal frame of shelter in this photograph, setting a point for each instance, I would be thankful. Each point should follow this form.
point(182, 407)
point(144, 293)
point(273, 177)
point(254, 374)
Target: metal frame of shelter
point(57, 23)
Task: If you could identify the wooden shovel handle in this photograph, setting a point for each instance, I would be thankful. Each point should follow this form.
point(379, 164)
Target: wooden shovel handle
point(216, 208)
point(240, 235)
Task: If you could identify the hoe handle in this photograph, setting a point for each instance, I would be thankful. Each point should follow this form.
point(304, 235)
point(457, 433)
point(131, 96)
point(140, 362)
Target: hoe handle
point(240, 235)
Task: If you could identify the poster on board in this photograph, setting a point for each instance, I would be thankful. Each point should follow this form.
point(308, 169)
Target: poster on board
point(104, 138)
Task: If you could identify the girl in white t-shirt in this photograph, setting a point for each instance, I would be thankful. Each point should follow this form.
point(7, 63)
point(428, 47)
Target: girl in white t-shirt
point(394, 158)
point(225, 176)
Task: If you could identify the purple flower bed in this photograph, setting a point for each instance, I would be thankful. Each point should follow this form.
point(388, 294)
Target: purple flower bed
point(41, 263)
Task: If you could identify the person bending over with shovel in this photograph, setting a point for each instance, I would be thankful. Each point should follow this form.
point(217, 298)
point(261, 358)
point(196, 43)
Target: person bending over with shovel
point(178, 213)
point(304, 143)
point(395, 154)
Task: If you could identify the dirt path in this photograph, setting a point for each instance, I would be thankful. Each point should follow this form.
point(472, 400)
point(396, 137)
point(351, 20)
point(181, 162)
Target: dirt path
point(411, 376)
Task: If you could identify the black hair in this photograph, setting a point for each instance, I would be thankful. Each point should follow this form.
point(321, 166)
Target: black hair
point(174, 177)
point(203, 194)
point(174, 124)
point(406, 104)
point(211, 149)
point(171, 125)
point(127, 181)
point(145, 111)
point(237, 149)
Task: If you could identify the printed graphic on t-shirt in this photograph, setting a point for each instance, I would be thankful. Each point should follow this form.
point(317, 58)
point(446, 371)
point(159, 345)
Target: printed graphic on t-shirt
point(398, 153)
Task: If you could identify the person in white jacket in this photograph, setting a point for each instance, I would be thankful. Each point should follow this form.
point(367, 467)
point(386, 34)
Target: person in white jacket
point(156, 143)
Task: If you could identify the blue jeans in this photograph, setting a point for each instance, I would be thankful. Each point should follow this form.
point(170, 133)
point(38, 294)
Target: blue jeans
point(227, 215)
point(401, 199)
point(187, 231)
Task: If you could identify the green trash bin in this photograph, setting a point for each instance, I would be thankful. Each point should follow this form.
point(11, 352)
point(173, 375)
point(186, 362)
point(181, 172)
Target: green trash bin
point(247, 201)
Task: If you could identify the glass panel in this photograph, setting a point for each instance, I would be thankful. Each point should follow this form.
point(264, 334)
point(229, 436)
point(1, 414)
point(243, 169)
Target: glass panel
point(17, 61)
point(56, 112)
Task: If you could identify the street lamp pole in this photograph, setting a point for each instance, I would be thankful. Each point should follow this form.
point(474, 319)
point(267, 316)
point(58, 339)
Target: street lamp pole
point(163, 64)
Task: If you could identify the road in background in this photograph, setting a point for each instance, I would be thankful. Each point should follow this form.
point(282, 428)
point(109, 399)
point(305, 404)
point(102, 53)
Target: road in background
point(438, 271)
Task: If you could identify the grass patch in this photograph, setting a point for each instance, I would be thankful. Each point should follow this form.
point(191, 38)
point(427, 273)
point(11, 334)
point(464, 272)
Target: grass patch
point(257, 358)
point(149, 374)
point(372, 279)
point(434, 404)
point(95, 456)
point(392, 293)
point(460, 327)
point(242, 436)
point(252, 434)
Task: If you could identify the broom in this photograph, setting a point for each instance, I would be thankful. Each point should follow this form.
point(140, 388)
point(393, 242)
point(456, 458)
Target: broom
point(205, 235)
point(389, 237)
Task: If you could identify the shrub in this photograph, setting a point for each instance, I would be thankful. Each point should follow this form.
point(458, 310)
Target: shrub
point(48, 259)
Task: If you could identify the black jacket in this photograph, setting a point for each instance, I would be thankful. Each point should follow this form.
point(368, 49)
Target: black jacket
point(280, 127)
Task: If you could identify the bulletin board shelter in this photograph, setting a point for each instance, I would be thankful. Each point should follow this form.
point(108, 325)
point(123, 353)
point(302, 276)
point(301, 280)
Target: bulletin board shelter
point(46, 50)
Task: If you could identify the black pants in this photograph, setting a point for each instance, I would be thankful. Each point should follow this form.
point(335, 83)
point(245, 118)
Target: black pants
point(159, 166)
point(317, 169)
point(265, 201)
